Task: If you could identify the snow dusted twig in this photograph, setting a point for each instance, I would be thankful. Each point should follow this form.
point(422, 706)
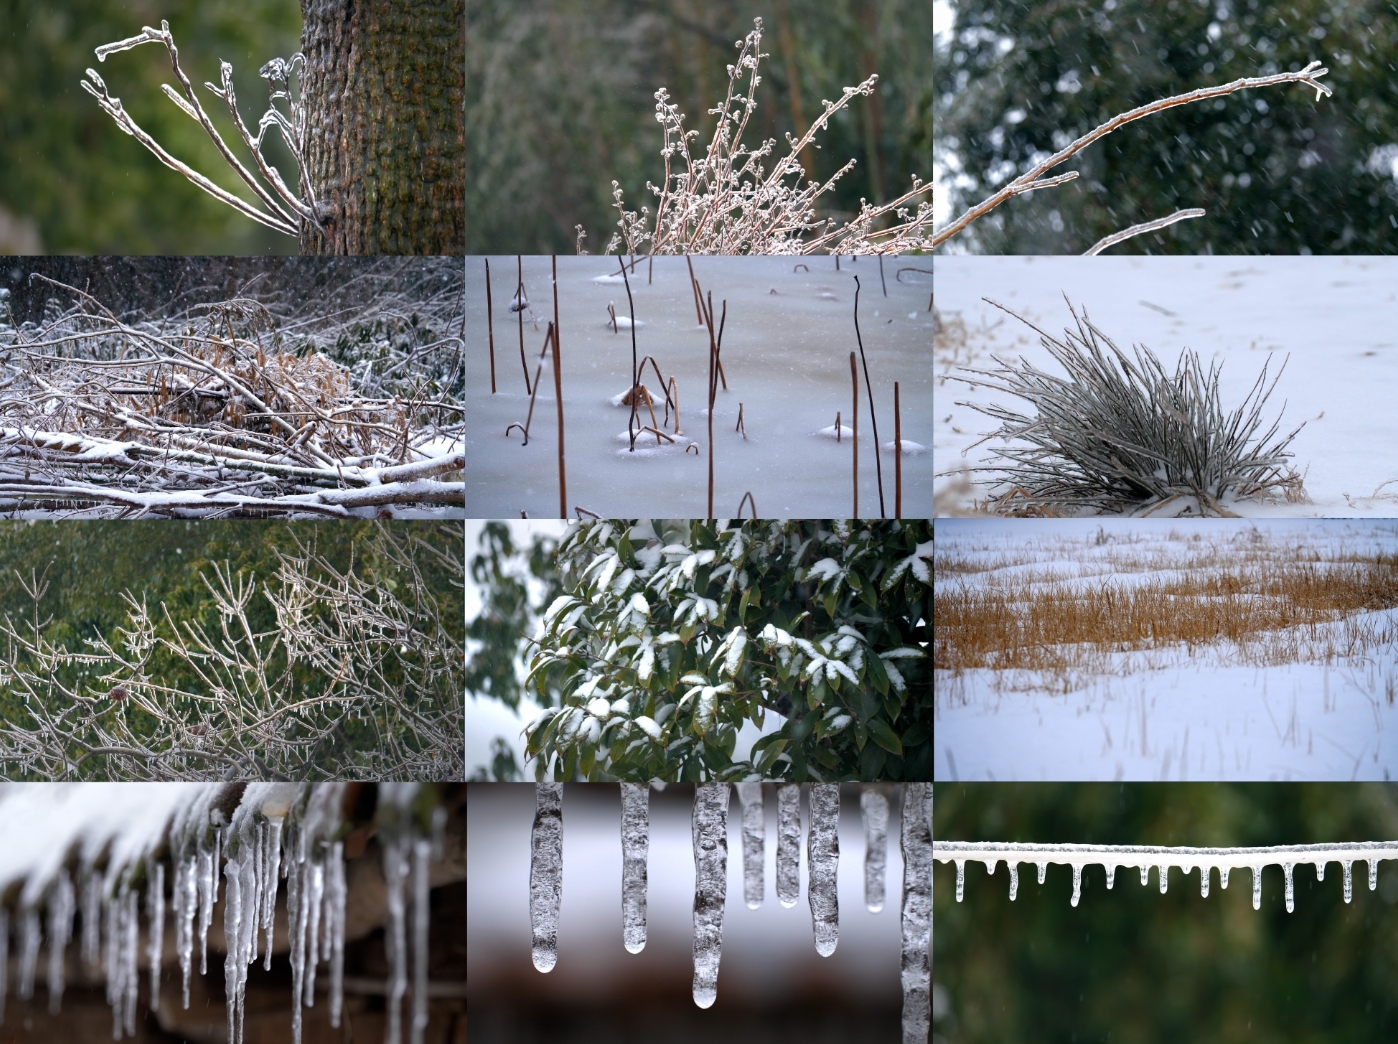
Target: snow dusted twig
point(1034, 179)
point(283, 207)
point(1145, 856)
point(726, 202)
point(1136, 230)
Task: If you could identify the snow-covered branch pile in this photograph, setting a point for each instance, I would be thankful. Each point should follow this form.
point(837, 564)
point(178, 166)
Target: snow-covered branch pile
point(710, 837)
point(106, 851)
point(210, 413)
point(1207, 860)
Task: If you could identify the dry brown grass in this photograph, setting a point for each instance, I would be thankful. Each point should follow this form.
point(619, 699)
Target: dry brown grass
point(1262, 603)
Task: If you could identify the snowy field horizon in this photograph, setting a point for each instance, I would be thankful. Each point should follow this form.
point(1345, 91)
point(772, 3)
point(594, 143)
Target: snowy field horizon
point(1332, 320)
point(1203, 649)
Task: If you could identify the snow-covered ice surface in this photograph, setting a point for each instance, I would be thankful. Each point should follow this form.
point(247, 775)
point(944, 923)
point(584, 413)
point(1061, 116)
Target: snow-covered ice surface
point(1336, 317)
point(1167, 713)
point(785, 354)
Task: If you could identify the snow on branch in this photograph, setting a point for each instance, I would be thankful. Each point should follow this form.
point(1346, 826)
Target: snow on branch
point(1144, 856)
point(215, 417)
point(727, 202)
point(1034, 177)
point(283, 207)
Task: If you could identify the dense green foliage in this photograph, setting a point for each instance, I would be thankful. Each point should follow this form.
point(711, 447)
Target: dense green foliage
point(90, 187)
point(1278, 171)
point(673, 634)
point(561, 101)
point(1133, 966)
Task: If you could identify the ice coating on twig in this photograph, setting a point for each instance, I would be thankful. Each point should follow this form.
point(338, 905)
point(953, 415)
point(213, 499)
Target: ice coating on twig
point(788, 843)
point(916, 920)
point(635, 849)
point(823, 857)
point(874, 806)
point(709, 828)
point(1224, 860)
point(546, 874)
point(754, 841)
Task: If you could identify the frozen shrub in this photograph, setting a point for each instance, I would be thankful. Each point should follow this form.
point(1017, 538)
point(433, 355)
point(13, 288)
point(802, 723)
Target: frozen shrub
point(1120, 434)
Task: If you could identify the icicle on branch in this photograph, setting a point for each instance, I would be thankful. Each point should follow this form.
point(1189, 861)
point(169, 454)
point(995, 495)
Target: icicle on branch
point(823, 854)
point(754, 840)
point(1034, 177)
point(283, 207)
point(635, 848)
point(546, 874)
point(710, 834)
point(874, 807)
point(788, 843)
point(1145, 857)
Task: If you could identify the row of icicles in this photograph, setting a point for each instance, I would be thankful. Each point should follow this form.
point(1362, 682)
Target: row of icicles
point(710, 837)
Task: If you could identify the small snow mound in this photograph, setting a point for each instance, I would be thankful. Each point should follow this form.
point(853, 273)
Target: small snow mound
point(910, 448)
point(613, 278)
point(622, 323)
point(846, 432)
point(826, 295)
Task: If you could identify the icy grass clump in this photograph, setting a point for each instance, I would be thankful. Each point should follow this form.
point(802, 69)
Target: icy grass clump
point(1124, 436)
point(1225, 860)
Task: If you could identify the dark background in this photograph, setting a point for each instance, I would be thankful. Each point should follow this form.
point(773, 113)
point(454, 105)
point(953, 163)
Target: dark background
point(1278, 171)
point(561, 101)
point(1133, 966)
point(69, 174)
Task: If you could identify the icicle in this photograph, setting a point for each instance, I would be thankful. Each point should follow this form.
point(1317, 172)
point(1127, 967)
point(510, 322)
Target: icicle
point(1111, 876)
point(635, 850)
point(1145, 875)
point(232, 966)
point(155, 940)
point(296, 925)
point(1014, 881)
point(823, 859)
point(315, 897)
point(4, 958)
point(961, 879)
point(206, 885)
point(1223, 873)
point(1349, 879)
point(1204, 875)
point(186, 901)
point(28, 951)
point(1319, 871)
point(335, 928)
point(1164, 877)
point(1290, 891)
point(92, 917)
point(709, 830)
point(1077, 883)
point(422, 918)
point(875, 808)
point(271, 869)
point(788, 843)
point(130, 944)
point(546, 874)
point(1043, 869)
point(916, 919)
point(1257, 887)
point(1373, 873)
point(754, 841)
point(61, 901)
point(395, 860)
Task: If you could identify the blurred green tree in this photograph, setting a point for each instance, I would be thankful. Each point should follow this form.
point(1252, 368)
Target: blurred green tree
point(1133, 965)
point(1277, 171)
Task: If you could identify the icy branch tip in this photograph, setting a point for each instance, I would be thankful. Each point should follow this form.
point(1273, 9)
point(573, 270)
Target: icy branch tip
point(148, 35)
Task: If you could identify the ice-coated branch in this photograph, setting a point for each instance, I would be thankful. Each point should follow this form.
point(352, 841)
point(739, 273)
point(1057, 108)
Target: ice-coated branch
point(1144, 226)
point(1034, 177)
point(283, 207)
point(1224, 860)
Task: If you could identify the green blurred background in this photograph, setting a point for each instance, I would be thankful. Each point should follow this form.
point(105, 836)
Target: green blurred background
point(1132, 966)
point(1278, 171)
point(72, 182)
point(561, 101)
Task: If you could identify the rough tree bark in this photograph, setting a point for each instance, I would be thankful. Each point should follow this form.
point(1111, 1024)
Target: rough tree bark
point(385, 87)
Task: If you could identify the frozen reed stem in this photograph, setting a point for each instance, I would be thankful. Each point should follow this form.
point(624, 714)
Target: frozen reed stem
point(854, 383)
point(538, 372)
point(869, 389)
point(519, 307)
point(558, 395)
point(635, 369)
point(490, 325)
point(897, 455)
point(748, 499)
point(713, 356)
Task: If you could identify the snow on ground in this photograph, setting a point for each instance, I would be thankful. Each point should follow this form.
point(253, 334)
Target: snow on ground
point(1337, 318)
point(786, 348)
point(1165, 713)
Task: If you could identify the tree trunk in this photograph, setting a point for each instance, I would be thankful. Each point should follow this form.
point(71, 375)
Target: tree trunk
point(385, 87)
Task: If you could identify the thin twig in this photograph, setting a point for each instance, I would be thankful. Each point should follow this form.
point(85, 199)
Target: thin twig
point(1145, 226)
point(869, 387)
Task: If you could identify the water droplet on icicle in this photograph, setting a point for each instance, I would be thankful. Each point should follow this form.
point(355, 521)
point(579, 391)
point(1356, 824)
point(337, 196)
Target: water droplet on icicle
point(916, 920)
point(874, 805)
point(1077, 882)
point(709, 830)
point(788, 843)
point(823, 859)
point(546, 874)
point(1257, 887)
point(754, 841)
point(1290, 889)
point(635, 849)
